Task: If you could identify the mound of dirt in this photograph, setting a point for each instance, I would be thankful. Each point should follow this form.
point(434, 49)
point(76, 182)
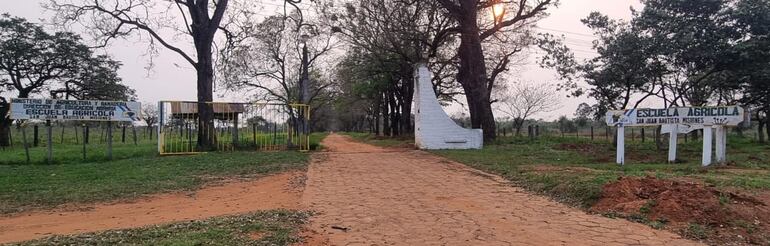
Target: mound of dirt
point(683, 203)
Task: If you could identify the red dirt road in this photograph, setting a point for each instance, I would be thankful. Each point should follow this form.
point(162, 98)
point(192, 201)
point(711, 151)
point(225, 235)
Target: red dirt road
point(415, 198)
point(271, 192)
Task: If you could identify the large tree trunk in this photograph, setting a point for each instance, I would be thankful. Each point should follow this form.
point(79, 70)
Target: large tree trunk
point(5, 124)
point(205, 72)
point(472, 76)
point(761, 132)
point(5, 132)
point(407, 72)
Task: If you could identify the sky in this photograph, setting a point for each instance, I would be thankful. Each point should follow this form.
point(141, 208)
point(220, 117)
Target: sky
point(172, 78)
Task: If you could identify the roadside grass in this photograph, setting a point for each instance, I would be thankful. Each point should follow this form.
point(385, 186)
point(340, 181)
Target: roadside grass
point(136, 171)
point(315, 140)
point(278, 227)
point(573, 170)
point(45, 186)
point(380, 141)
point(73, 153)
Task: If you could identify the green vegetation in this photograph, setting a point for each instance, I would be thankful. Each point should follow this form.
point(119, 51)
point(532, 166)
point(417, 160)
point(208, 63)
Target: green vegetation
point(136, 171)
point(573, 170)
point(315, 140)
point(262, 228)
point(51, 185)
point(696, 231)
point(381, 141)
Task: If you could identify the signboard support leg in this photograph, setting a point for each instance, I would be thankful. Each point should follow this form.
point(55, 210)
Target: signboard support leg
point(707, 135)
point(85, 141)
point(621, 155)
point(720, 144)
point(161, 116)
point(24, 141)
point(49, 140)
point(109, 140)
point(672, 141)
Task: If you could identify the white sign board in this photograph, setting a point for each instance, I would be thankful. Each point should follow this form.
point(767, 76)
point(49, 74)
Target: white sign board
point(693, 116)
point(680, 128)
point(52, 109)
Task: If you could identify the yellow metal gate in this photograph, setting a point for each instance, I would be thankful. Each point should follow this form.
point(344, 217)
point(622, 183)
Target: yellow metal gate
point(182, 129)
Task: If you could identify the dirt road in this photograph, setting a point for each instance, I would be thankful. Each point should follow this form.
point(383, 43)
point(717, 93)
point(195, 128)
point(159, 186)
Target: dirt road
point(273, 192)
point(415, 198)
point(372, 196)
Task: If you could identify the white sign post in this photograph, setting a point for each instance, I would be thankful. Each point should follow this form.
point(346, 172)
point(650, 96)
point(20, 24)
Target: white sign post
point(707, 139)
point(621, 148)
point(672, 141)
point(82, 110)
point(681, 120)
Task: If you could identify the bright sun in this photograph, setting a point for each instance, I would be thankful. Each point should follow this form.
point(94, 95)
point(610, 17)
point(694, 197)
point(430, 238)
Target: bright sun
point(498, 10)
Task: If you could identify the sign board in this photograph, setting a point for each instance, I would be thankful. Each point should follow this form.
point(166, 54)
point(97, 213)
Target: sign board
point(697, 116)
point(52, 109)
point(680, 128)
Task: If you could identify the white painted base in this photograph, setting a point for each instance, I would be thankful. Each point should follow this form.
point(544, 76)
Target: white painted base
point(672, 142)
point(433, 127)
point(621, 148)
point(721, 144)
point(707, 139)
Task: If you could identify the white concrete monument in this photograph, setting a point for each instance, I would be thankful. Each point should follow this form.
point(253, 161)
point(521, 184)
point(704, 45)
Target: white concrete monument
point(433, 127)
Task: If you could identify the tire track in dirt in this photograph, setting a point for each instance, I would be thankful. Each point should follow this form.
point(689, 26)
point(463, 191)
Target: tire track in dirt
point(381, 197)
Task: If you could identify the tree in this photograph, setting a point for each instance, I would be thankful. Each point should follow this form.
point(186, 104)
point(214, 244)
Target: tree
point(388, 40)
point(472, 74)
point(108, 20)
point(150, 115)
point(693, 40)
point(32, 61)
point(752, 71)
point(526, 100)
point(616, 75)
point(95, 78)
point(268, 57)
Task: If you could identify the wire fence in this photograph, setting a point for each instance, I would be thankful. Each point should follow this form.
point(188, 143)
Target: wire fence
point(76, 133)
point(234, 126)
point(598, 132)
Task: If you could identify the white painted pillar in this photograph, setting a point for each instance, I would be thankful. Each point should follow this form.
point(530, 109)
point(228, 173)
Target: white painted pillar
point(621, 148)
point(707, 139)
point(672, 141)
point(721, 138)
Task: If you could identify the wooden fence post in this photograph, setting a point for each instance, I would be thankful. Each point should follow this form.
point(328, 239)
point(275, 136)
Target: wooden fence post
point(133, 128)
point(123, 135)
point(109, 140)
point(592, 133)
point(24, 141)
point(35, 136)
point(85, 140)
point(49, 143)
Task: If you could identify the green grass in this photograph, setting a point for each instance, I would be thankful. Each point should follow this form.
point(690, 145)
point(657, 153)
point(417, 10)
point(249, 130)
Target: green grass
point(278, 227)
point(33, 186)
point(380, 141)
point(135, 171)
point(573, 170)
point(315, 140)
